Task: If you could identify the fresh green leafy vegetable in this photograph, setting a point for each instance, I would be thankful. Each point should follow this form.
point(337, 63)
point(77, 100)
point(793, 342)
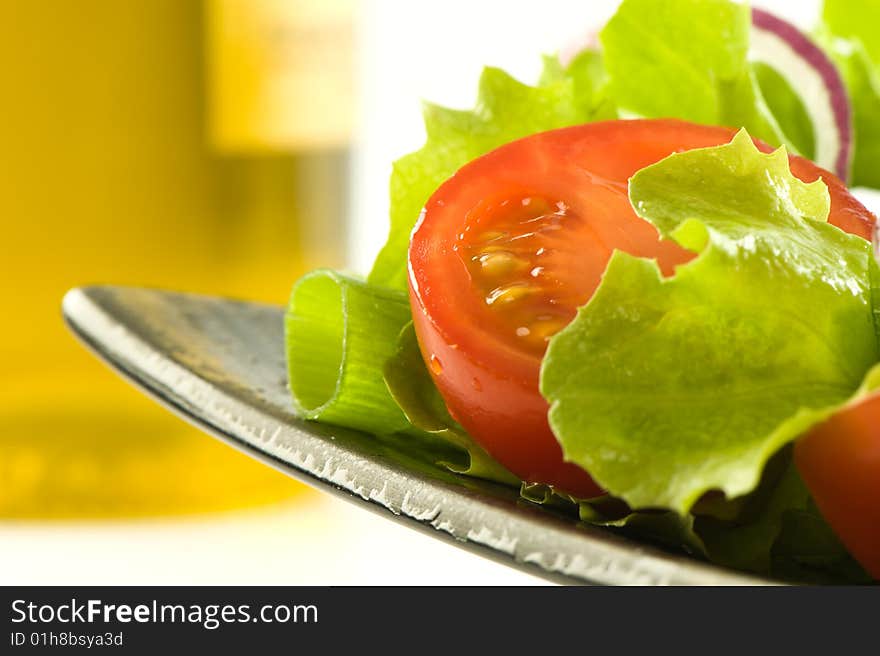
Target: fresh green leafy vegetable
point(856, 19)
point(775, 531)
point(664, 389)
point(411, 387)
point(686, 59)
point(664, 527)
point(807, 550)
point(589, 79)
point(506, 110)
point(745, 541)
point(778, 532)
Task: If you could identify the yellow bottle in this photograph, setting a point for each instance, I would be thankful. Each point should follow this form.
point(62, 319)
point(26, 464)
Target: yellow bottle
point(108, 174)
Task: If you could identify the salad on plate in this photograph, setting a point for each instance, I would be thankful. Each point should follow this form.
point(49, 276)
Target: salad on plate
point(640, 289)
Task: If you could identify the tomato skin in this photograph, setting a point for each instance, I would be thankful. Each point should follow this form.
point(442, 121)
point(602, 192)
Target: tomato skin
point(488, 380)
point(839, 461)
point(499, 409)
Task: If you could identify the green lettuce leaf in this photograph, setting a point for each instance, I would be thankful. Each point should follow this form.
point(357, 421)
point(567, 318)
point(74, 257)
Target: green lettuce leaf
point(664, 389)
point(589, 80)
point(808, 551)
point(664, 528)
point(687, 60)
point(411, 387)
point(506, 110)
point(778, 532)
point(858, 19)
point(745, 541)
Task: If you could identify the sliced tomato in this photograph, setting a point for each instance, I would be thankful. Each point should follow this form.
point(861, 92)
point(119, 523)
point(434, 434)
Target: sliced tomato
point(510, 246)
point(840, 463)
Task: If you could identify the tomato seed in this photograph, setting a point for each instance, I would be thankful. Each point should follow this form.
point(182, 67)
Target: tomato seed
point(510, 293)
point(500, 263)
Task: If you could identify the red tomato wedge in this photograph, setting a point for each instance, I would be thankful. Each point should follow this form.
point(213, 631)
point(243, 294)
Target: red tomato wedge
point(509, 247)
point(840, 463)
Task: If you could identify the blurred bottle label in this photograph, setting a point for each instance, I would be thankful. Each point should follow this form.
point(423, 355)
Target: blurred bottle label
point(280, 74)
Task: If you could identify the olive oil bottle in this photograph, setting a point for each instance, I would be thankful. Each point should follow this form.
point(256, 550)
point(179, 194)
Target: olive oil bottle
point(167, 143)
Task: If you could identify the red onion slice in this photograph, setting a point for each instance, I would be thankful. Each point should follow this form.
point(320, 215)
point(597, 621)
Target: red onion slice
point(815, 79)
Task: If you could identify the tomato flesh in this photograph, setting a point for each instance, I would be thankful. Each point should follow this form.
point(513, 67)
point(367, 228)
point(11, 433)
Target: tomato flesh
point(508, 249)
